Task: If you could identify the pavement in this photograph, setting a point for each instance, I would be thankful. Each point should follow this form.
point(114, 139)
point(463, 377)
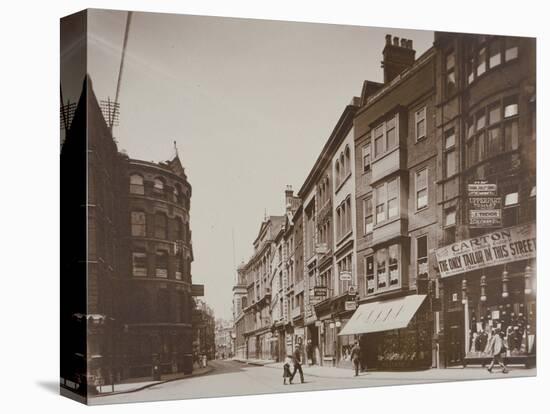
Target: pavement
point(141, 384)
point(233, 378)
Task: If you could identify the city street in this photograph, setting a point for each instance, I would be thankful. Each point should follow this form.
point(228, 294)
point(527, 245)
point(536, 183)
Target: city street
point(230, 378)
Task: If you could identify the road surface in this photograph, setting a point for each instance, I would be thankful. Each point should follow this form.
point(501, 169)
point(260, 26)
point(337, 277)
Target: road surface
point(230, 378)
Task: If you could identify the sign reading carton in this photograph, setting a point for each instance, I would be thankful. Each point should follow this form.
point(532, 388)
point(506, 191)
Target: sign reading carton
point(491, 249)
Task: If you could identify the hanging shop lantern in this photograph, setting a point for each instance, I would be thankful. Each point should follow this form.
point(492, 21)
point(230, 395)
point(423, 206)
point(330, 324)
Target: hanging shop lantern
point(505, 281)
point(483, 284)
point(528, 276)
point(464, 291)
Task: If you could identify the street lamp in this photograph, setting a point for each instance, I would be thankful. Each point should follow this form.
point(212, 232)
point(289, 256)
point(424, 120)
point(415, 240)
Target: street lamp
point(483, 285)
point(505, 280)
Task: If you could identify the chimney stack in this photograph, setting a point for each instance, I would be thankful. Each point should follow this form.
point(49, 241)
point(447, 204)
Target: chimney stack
point(398, 56)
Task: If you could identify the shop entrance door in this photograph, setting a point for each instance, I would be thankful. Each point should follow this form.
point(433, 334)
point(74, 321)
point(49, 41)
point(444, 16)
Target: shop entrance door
point(369, 351)
point(455, 338)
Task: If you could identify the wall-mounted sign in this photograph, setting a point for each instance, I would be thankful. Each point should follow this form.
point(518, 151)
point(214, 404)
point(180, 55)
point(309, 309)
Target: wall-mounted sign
point(345, 275)
point(350, 305)
point(491, 249)
point(197, 290)
point(320, 291)
point(318, 323)
point(352, 290)
point(484, 206)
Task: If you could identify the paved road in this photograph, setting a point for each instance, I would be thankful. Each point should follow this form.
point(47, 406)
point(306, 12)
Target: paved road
point(234, 378)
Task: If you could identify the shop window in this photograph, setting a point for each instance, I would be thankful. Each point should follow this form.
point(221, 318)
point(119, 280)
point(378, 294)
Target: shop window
point(138, 223)
point(139, 264)
point(420, 123)
point(421, 186)
point(161, 264)
point(136, 184)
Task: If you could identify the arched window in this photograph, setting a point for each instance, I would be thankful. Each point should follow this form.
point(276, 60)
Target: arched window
point(342, 168)
point(138, 223)
point(337, 172)
point(160, 225)
point(136, 184)
point(158, 186)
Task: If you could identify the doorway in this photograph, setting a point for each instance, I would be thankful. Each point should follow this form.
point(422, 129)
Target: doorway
point(454, 343)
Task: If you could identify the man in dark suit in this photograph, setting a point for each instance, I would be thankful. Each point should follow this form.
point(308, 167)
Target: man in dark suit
point(297, 361)
point(356, 357)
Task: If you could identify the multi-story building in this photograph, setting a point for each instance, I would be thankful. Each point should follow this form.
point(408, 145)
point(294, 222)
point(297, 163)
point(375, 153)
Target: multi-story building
point(224, 339)
point(204, 332)
point(137, 284)
point(486, 141)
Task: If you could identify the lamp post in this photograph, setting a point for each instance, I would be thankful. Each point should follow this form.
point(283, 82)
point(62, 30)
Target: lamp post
point(466, 315)
point(528, 291)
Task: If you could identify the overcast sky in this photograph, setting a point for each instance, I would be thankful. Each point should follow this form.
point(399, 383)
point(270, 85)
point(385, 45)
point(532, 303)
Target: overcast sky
point(250, 104)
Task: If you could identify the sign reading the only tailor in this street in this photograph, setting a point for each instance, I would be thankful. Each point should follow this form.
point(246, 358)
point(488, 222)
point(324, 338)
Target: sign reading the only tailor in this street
point(491, 249)
point(484, 206)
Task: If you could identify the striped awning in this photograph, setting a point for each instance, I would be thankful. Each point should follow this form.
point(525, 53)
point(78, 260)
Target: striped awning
point(383, 316)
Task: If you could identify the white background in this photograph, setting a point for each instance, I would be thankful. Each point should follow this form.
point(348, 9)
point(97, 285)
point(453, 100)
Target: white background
point(29, 203)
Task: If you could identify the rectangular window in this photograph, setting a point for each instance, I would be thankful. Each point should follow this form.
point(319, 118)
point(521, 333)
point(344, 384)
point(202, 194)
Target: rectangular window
point(379, 140)
point(494, 54)
point(481, 61)
point(510, 107)
point(450, 73)
point(367, 208)
point(179, 268)
point(420, 122)
point(393, 264)
point(450, 152)
point(493, 142)
point(139, 264)
point(480, 145)
point(381, 197)
point(422, 257)
point(421, 186)
point(511, 199)
point(512, 49)
point(391, 134)
point(511, 136)
point(381, 270)
point(494, 113)
point(450, 217)
point(366, 157)
point(393, 192)
point(138, 223)
point(369, 273)
point(162, 264)
point(480, 120)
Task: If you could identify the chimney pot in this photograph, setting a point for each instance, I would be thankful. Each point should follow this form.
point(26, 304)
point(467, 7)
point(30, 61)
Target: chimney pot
point(388, 39)
point(396, 41)
point(403, 42)
point(410, 44)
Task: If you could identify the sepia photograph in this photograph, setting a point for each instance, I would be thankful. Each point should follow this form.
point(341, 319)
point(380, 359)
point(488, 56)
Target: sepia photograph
point(263, 206)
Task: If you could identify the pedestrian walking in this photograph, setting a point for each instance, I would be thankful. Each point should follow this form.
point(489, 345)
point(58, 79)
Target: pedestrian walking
point(297, 361)
point(496, 348)
point(356, 357)
point(286, 370)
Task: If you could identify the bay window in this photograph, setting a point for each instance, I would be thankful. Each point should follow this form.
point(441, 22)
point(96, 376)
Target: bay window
point(387, 201)
point(386, 136)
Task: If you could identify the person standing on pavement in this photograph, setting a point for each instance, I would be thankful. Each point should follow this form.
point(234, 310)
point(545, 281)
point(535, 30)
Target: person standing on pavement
point(356, 357)
point(496, 348)
point(297, 361)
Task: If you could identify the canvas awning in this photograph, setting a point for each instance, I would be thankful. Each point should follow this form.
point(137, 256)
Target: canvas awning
point(383, 316)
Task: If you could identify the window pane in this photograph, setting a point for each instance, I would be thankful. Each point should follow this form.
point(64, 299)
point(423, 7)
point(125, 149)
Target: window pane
point(493, 141)
point(511, 198)
point(511, 49)
point(421, 179)
point(510, 110)
point(480, 144)
point(378, 146)
point(421, 129)
point(393, 208)
point(495, 57)
point(422, 198)
point(470, 128)
point(511, 136)
point(449, 138)
point(480, 120)
point(392, 189)
point(451, 163)
point(481, 64)
point(422, 247)
point(450, 217)
point(391, 139)
point(494, 114)
point(380, 213)
point(450, 61)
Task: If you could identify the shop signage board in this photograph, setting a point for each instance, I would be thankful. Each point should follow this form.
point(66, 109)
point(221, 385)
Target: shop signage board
point(350, 305)
point(321, 248)
point(484, 205)
point(345, 275)
point(491, 249)
point(320, 291)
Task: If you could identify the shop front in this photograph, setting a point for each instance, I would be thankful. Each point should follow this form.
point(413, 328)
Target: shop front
point(488, 289)
point(392, 334)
